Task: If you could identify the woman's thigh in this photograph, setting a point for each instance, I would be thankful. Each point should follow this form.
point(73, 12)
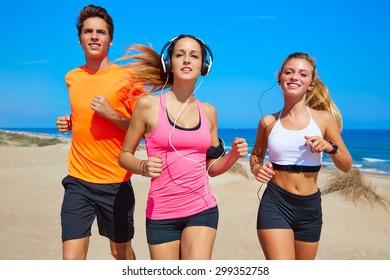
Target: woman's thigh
point(197, 243)
point(165, 251)
point(277, 244)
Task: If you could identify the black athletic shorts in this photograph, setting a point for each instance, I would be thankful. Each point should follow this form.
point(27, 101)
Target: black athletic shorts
point(282, 209)
point(161, 231)
point(111, 204)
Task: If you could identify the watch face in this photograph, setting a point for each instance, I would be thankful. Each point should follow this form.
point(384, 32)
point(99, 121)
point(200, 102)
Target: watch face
point(335, 148)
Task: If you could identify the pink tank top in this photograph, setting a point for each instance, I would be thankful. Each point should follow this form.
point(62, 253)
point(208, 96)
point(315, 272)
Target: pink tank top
point(183, 188)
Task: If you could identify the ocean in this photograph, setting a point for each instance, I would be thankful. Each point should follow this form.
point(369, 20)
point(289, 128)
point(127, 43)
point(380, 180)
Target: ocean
point(370, 148)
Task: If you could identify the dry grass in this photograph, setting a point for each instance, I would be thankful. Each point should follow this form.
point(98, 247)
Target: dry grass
point(354, 187)
point(20, 139)
point(237, 168)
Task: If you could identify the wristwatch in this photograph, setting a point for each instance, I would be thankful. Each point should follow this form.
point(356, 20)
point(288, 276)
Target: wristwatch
point(335, 148)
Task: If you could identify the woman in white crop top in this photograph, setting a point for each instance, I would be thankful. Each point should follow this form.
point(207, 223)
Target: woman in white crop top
point(290, 214)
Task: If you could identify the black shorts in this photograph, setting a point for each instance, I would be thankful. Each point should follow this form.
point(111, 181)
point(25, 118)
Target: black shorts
point(161, 231)
point(282, 209)
point(111, 204)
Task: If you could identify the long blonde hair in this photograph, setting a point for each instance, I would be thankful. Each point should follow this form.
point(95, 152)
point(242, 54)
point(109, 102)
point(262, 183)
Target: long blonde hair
point(318, 97)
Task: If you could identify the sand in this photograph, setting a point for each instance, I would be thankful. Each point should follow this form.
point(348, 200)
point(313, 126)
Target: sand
point(31, 196)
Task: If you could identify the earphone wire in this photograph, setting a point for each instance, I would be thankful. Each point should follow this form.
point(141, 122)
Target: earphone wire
point(258, 191)
point(261, 112)
point(175, 124)
point(173, 130)
point(261, 96)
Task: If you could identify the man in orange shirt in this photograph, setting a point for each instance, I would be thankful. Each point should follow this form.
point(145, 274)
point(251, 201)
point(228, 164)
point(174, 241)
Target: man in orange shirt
point(100, 95)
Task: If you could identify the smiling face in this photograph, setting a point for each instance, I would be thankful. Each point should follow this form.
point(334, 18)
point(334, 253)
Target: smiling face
point(186, 59)
point(296, 76)
point(95, 38)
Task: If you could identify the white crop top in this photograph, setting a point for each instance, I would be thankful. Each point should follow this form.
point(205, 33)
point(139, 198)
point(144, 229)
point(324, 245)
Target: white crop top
point(287, 147)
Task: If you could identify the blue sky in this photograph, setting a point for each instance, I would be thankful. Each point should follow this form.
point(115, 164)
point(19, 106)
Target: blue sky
point(249, 39)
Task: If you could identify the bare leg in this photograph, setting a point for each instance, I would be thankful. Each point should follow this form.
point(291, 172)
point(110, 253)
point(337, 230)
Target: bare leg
point(122, 251)
point(197, 243)
point(277, 244)
point(75, 249)
point(306, 250)
point(165, 251)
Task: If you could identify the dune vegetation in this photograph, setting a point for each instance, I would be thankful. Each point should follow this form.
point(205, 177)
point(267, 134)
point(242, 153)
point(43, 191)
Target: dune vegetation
point(354, 187)
point(24, 140)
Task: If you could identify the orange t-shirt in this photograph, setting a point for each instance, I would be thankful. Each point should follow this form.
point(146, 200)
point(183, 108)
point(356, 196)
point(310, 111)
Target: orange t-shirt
point(96, 141)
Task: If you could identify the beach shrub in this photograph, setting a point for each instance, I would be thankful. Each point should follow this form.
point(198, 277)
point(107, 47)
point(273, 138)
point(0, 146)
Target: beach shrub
point(20, 139)
point(354, 187)
point(237, 168)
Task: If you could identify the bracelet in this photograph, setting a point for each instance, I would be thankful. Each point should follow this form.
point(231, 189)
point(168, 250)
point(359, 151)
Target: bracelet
point(141, 168)
point(259, 162)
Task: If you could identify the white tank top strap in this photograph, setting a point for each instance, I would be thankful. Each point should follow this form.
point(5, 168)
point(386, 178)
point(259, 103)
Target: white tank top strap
point(280, 114)
point(308, 109)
